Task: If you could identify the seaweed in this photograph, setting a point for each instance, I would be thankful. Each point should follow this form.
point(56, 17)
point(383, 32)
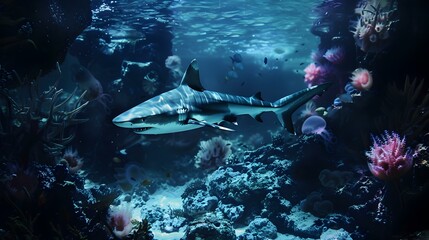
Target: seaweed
point(405, 109)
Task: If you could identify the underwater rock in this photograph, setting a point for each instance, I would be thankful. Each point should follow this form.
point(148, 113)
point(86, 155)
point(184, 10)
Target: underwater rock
point(37, 34)
point(274, 206)
point(209, 227)
point(140, 77)
point(260, 228)
point(302, 224)
point(199, 203)
point(246, 185)
point(315, 205)
point(231, 212)
point(334, 179)
point(339, 234)
point(164, 220)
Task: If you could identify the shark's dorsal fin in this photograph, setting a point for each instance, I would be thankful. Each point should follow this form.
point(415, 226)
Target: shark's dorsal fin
point(191, 77)
point(258, 96)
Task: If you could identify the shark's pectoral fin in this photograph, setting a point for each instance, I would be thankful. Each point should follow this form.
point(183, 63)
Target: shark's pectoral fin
point(285, 119)
point(231, 118)
point(204, 123)
point(259, 117)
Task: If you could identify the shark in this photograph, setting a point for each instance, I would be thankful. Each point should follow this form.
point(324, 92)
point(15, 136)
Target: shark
point(191, 106)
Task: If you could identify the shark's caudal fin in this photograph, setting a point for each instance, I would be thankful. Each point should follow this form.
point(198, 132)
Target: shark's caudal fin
point(192, 77)
point(287, 105)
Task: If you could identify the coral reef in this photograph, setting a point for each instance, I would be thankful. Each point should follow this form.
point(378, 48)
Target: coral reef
point(377, 20)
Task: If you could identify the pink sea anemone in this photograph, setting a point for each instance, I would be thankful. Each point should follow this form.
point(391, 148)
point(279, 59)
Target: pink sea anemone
point(119, 218)
point(362, 79)
point(314, 74)
point(335, 55)
point(389, 157)
point(73, 160)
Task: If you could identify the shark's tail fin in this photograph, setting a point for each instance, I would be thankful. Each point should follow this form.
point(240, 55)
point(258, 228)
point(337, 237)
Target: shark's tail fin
point(287, 105)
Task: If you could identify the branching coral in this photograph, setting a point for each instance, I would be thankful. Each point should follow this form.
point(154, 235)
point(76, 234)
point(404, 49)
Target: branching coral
point(38, 123)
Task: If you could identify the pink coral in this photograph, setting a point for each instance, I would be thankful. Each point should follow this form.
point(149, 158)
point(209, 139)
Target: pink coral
point(120, 220)
point(361, 79)
point(314, 74)
point(335, 55)
point(389, 157)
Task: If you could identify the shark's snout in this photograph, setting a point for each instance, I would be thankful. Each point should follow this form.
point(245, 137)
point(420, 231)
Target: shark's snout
point(121, 121)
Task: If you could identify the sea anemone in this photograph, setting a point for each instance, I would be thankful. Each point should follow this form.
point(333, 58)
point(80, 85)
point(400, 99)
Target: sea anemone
point(316, 56)
point(314, 74)
point(119, 218)
point(309, 110)
point(389, 157)
point(173, 62)
point(335, 55)
point(361, 79)
point(73, 160)
point(213, 153)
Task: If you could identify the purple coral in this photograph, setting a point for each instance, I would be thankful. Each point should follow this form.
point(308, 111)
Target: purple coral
point(389, 157)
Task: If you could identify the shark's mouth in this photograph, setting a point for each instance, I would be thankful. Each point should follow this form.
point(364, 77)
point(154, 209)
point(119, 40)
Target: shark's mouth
point(140, 130)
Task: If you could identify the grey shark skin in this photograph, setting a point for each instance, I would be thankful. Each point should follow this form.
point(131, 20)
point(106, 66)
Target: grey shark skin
point(190, 106)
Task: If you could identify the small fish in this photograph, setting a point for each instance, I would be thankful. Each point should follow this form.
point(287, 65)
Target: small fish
point(260, 74)
point(296, 51)
point(286, 60)
point(146, 182)
point(132, 178)
point(236, 58)
point(242, 83)
point(302, 44)
point(123, 151)
point(277, 59)
point(301, 64)
point(265, 60)
point(117, 160)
